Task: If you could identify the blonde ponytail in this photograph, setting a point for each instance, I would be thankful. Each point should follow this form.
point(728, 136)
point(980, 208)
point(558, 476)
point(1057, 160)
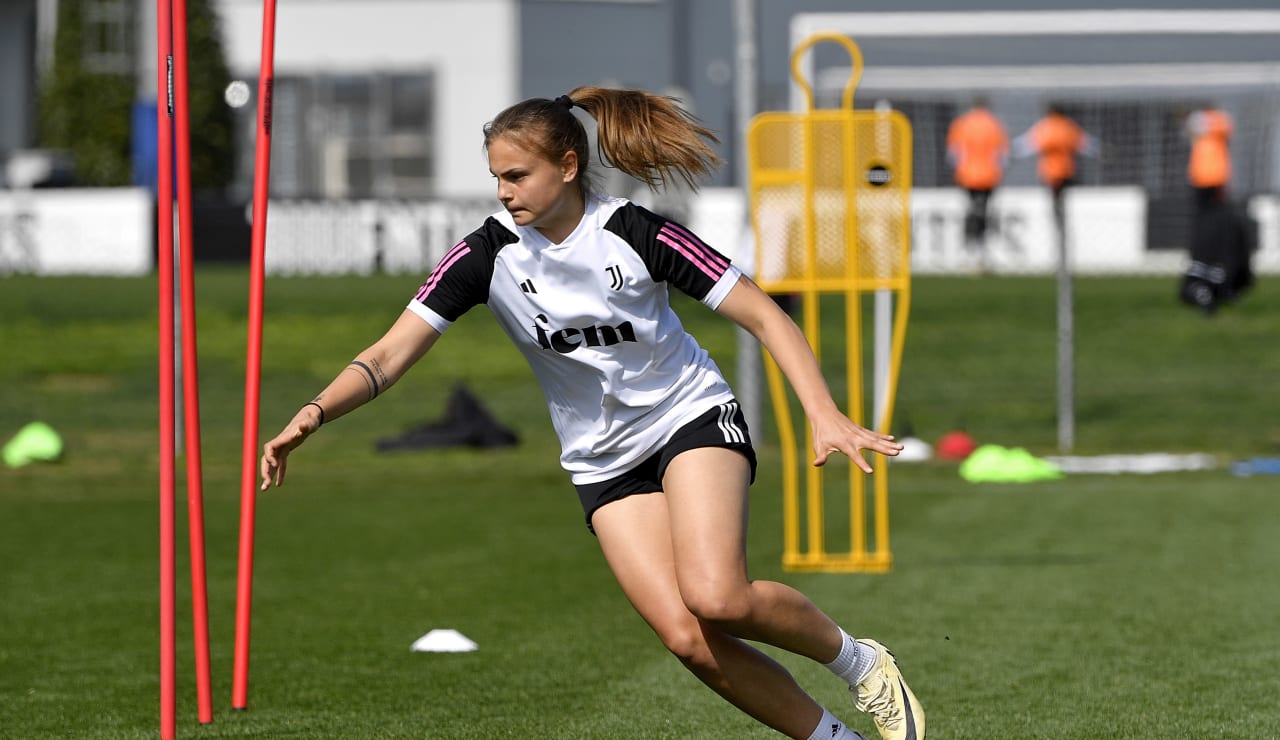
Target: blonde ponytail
point(648, 136)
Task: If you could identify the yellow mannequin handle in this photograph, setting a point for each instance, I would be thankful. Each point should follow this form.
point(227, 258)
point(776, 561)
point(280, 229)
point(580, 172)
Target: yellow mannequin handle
point(855, 75)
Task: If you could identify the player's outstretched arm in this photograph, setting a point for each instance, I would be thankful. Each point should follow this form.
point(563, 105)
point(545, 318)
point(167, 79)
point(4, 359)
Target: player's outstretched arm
point(749, 307)
point(368, 375)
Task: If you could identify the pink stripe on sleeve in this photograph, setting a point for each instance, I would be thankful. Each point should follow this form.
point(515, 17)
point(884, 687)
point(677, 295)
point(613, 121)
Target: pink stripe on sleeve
point(713, 258)
point(694, 259)
point(711, 264)
point(459, 251)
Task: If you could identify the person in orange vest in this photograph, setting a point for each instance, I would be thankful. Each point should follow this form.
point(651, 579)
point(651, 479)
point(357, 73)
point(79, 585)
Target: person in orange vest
point(1209, 168)
point(1057, 141)
point(978, 148)
point(1221, 240)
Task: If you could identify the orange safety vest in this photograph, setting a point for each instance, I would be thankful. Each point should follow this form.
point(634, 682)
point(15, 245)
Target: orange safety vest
point(1057, 139)
point(1210, 164)
point(978, 143)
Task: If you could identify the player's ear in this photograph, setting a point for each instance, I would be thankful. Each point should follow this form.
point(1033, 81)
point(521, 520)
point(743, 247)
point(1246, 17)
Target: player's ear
point(569, 166)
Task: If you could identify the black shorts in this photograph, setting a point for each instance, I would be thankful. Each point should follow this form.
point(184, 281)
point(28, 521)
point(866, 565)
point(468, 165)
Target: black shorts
point(722, 426)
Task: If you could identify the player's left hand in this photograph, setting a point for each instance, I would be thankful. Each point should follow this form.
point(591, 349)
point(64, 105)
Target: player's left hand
point(838, 433)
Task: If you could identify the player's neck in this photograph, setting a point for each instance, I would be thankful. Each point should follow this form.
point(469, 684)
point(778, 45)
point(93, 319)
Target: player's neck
point(562, 223)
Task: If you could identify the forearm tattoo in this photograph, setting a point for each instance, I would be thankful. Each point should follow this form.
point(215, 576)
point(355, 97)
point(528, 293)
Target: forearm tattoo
point(370, 377)
point(382, 377)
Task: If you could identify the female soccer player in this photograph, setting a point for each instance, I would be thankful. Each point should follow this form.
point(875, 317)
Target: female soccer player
point(650, 433)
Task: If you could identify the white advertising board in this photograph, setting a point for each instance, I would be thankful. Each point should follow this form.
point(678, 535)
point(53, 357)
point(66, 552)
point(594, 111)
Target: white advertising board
point(82, 231)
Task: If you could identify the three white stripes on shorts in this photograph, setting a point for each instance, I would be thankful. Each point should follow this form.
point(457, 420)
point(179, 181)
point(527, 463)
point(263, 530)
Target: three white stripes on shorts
point(732, 433)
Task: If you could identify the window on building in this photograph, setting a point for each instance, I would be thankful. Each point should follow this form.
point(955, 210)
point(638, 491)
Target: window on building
point(347, 136)
point(108, 36)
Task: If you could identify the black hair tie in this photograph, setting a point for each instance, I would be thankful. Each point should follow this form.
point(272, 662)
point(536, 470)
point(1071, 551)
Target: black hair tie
point(564, 101)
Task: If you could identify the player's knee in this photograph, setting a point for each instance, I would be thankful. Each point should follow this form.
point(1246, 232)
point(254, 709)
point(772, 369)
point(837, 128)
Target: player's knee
point(717, 606)
point(689, 645)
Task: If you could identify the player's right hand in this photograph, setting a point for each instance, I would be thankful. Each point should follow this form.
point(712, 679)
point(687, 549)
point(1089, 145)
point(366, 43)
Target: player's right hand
point(275, 453)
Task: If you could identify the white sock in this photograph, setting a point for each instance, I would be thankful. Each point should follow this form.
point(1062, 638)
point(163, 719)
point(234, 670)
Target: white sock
point(854, 662)
point(830, 728)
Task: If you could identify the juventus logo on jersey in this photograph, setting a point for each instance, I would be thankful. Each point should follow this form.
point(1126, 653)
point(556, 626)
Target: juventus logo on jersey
point(615, 277)
point(527, 286)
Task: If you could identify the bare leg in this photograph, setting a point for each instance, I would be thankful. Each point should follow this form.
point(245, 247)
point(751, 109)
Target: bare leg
point(707, 493)
point(635, 536)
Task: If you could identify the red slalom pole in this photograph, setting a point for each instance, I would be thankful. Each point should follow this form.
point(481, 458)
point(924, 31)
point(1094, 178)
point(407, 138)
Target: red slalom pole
point(253, 358)
point(164, 265)
point(190, 376)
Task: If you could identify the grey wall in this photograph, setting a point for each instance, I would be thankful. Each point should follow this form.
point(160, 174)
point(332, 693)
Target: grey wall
point(566, 44)
point(17, 75)
point(683, 47)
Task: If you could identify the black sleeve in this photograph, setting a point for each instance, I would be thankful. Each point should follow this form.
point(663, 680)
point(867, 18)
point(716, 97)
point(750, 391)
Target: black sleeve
point(461, 279)
point(671, 252)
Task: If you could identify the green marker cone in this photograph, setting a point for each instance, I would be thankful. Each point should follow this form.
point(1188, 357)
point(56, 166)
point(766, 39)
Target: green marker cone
point(35, 442)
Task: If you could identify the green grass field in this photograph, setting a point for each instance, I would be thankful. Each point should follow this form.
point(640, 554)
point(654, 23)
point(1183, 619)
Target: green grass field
point(1139, 606)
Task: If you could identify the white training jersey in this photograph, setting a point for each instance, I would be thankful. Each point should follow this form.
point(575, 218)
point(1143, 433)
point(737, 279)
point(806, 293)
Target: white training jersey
point(593, 318)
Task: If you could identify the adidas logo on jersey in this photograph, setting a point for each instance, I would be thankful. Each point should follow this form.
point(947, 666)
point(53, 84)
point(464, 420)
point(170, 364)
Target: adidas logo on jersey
point(567, 340)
